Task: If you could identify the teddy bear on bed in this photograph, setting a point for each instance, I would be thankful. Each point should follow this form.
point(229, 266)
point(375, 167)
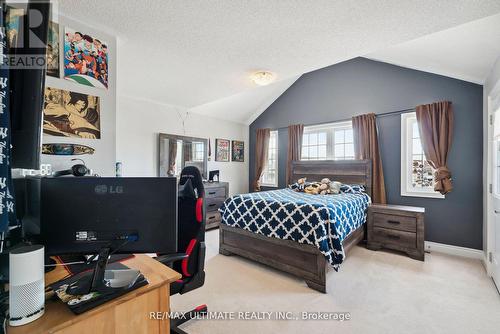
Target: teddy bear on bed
point(324, 187)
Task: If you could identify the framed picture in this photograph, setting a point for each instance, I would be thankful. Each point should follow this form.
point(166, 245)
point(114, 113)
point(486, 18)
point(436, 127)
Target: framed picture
point(53, 50)
point(71, 114)
point(13, 26)
point(222, 150)
point(238, 151)
point(85, 59)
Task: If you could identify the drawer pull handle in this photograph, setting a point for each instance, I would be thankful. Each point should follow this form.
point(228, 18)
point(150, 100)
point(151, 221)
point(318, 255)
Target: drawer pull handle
point(392, 236)
point(212, 204)
point(394, 222)
point(211, 192)
point(211, 217)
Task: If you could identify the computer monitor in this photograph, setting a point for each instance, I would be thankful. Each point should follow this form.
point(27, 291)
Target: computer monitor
point(81, 215)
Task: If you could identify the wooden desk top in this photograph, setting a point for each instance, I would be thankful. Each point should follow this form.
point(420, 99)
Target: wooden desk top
point(57, 315)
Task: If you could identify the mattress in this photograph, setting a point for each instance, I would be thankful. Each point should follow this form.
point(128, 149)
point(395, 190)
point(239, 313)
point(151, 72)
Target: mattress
point(324, 221)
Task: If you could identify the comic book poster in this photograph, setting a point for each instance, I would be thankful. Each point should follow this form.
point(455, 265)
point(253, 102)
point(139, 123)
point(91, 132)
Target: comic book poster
point(238, 151)
point(85, 59)
point(53, 50)
point(222, 150)
point(13, 25)
point(71, 114)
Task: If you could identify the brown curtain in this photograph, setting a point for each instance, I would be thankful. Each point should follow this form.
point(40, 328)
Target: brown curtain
point(366, 147)
point(172, 154)
point(435, 124)
point(188, 151)
point(261, 151)
point(295, 133)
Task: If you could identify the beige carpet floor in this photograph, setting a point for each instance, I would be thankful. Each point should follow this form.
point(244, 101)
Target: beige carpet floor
point(383, 292)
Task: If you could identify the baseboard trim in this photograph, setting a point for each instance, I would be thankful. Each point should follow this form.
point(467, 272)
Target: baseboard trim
point(454, 250)
point(486, 265)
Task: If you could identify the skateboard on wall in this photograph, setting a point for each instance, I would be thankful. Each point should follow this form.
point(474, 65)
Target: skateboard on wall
point(66, 149)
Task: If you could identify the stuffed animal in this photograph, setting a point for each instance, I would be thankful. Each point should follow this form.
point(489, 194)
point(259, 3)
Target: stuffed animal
point(325, 187)
point(328, 187)
point(335, 187)
point(313, 188)
point(300, 185)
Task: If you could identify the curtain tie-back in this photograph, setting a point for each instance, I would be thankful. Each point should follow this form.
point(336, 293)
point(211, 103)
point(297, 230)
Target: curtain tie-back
point(443, 180)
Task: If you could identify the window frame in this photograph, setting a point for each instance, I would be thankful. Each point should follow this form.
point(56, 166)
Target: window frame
point(407, 120)
point(330, 129)
point(274, 133)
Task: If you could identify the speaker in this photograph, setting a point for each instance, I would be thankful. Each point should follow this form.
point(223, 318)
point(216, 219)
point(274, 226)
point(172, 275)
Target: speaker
point(26, 284)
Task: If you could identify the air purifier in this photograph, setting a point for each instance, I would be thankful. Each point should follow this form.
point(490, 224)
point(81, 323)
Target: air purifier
point(26, 284)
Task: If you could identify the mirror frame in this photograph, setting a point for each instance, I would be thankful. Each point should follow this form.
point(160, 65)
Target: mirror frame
point(161, 157)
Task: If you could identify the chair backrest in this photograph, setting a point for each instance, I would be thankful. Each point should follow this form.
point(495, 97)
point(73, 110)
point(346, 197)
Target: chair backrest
point(191, 219)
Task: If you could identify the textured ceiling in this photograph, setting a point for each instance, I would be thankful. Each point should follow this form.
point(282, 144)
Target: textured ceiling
point(466, 52)
point(190, 53)
point(246, 106)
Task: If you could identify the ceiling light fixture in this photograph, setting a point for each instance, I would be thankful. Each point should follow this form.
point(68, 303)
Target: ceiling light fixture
point(263, 78)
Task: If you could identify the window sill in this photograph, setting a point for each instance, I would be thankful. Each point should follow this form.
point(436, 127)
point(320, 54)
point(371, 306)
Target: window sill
point(269, 185)
point(422, 194)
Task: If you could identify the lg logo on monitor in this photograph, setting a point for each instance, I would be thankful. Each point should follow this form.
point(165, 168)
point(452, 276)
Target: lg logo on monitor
point(102, 189)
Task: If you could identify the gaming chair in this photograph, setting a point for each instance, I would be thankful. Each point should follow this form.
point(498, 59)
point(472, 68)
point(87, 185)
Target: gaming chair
point(191, 241)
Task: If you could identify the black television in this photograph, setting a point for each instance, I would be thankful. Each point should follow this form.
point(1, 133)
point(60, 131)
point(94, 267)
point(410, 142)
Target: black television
point(27, 85)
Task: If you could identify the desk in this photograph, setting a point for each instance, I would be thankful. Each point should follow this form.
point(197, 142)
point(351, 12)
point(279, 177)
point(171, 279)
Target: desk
point(126, 314)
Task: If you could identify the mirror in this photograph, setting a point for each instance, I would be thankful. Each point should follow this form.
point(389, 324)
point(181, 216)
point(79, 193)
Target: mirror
point(177, 152)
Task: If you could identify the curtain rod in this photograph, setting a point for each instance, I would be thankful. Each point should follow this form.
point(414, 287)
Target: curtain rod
point(397, 112)
point(390, 113)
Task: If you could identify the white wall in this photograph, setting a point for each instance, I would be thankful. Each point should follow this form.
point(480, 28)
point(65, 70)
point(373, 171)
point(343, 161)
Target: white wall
point(140, 121)
point(103, 160)
point(130, 126)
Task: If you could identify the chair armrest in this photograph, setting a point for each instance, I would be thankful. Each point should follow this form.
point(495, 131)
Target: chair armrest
point(171, 258)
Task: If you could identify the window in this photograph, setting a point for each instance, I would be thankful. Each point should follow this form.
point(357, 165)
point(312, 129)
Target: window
point(328, 142)
point(178, 158)
point(314, 145)
point(417, 176)
point(198, 151)
point(270, 175)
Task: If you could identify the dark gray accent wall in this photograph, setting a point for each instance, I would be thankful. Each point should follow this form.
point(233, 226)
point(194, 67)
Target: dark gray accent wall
point(361, 86)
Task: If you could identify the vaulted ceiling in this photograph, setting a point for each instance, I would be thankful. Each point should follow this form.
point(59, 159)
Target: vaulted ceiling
point(466, 52)
point(199, 54)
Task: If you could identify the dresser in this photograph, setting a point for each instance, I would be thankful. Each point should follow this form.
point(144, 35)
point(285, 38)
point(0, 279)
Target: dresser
point(396, 227)
point(215, 194)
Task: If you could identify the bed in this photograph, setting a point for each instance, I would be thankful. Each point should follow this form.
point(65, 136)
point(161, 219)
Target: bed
point(299, 233)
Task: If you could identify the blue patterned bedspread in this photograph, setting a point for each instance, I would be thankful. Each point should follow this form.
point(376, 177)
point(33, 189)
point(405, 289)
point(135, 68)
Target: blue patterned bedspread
point(320, 220)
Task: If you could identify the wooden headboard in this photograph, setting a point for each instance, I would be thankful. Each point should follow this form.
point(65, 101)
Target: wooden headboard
point(345, 171)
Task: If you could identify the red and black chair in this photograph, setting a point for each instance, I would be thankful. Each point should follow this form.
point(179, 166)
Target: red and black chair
point(191, 241)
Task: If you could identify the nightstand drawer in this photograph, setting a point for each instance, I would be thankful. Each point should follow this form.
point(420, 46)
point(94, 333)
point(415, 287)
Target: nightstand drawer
point(214, 203)
point(215, 192)
point(394, 237)
point(395, 222)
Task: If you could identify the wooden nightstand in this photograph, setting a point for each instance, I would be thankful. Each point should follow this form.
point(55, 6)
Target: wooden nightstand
point(397, 227)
